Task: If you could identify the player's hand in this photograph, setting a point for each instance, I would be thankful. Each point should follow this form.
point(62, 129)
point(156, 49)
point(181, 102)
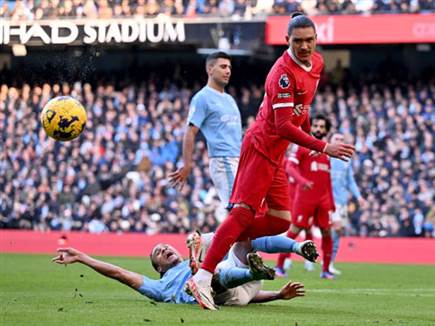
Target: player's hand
point(314, 153)
point(291, 290)
point(67, 256)
point(178, 178)
point(307, 185)
point(342, 151)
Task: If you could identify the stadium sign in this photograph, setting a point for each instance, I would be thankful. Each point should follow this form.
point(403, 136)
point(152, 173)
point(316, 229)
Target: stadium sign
point(159, 30)
point(361, 29)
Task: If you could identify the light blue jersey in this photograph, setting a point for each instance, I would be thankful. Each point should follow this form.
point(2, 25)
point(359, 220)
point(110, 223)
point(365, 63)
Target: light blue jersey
point(170, 288)
point(217, 116)
point(343, 181)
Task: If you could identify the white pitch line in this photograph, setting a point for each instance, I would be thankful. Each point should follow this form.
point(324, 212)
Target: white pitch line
point(399, 292)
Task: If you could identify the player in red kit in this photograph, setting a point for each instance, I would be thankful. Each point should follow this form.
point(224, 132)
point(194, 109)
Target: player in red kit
point(313, 201)
point(293, 179)
point(261, 180)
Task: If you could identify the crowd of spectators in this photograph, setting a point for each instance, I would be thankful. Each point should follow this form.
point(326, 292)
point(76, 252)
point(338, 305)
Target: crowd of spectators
point(392, 128)
point(43, 9)
point(115, 176)
point(349, 7)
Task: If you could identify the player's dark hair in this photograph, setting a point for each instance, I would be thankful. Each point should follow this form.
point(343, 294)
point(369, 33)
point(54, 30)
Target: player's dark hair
point(216, 55)
point(332, 134)
point(324, 118)
point(299, 20)
point(153, 263)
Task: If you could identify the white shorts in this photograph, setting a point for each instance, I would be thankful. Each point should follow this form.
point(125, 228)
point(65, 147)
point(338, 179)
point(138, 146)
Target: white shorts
point(222, 172)
point(241, 295)
point(340, 215)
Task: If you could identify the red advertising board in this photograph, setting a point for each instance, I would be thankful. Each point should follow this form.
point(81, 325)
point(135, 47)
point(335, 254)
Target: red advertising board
point(360, 29)
point(367, 250)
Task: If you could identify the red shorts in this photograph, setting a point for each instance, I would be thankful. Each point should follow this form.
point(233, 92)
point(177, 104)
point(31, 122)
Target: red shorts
point(259, 182)
point(307, 214)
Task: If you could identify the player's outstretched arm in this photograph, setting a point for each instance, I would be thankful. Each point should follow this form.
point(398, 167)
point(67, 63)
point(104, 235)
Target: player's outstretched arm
point(178, 178)
point(289, 291)
point(68, 256)
point(292, 171)
point(287, 130)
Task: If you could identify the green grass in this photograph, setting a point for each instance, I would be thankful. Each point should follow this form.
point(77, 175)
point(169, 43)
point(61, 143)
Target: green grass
point(34, 291)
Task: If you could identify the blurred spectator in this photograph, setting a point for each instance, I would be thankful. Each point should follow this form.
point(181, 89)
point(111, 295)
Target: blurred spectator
point(393, 132)
point(114, 177)
point(42, 9)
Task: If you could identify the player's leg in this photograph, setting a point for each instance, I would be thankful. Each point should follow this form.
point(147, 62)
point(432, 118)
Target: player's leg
point(230, 277)
point(279, 199)
point(322, 219)
point(277, 218)
point(222, 172)
point(238, 257)
point(292, 233)
point(264, 225)
point(198, 244)
point(327, 252)
point(308, 264)
point(280, 243)
point(339, 218)
point(239, 296)
point(301, 220)
point(248, 193)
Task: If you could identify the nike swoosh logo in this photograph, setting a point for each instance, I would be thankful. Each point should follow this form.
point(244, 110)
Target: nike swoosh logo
point(301, 93)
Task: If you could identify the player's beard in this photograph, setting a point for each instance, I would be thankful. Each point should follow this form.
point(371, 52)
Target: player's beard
point(224, 82)
point(319, 134)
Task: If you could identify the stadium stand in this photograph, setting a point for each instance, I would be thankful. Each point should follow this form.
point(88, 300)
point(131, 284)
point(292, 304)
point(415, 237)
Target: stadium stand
point(43, 9)
point(114, 177)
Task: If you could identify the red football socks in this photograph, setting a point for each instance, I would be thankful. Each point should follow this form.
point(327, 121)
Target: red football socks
point(292, 235)
point(281, 259)
point(309, 236)
point(327, 252)
point(227, 233)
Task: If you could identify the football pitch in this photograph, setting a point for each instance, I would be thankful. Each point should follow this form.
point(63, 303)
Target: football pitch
point(34, 291)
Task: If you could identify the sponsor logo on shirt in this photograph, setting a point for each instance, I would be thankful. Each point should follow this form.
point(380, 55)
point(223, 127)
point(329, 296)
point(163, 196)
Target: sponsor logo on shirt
point(228, 118)
point(315, 166)
point(284, 82)
point(284, 95)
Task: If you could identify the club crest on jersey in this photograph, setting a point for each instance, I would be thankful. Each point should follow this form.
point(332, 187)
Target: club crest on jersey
point(284, 82)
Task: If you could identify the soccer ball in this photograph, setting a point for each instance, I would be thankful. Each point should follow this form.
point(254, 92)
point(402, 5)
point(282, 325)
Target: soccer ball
point(63, 118)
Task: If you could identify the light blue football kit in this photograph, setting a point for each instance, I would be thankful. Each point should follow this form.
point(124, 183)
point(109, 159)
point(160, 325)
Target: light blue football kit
point(217, 116)
point(343, 182)
point(170, 288)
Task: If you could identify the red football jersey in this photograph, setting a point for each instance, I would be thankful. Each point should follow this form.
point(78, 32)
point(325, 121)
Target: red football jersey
point(289, 84)
point(317, 169)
